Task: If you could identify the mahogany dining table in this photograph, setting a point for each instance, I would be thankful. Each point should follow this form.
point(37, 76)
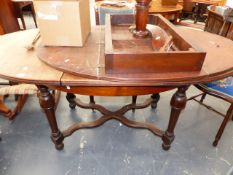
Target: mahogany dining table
point(81, 71)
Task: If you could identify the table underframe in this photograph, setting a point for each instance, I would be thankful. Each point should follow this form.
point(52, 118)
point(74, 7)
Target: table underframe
point(47, 103)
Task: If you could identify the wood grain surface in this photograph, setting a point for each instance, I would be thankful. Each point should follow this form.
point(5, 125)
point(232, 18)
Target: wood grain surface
point(21, 65)
point(88, 62)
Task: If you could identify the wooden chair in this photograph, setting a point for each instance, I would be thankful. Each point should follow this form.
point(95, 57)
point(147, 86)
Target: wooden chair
point(21, 92)
point(222, 89)
point(19, 10)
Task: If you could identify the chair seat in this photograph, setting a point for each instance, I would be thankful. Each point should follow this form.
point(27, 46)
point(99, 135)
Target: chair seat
point(108, 10)
point(224, 86)
point(19, 89)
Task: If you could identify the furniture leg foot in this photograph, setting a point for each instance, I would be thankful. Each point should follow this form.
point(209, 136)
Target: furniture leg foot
point(57, 139)
point(203, 97)
point(215, 143)
point(223, 125)
point(178, 103)
point(47, 103)
point(167, 140)
point(92, 101)
point(155, 99)
point(71, 99)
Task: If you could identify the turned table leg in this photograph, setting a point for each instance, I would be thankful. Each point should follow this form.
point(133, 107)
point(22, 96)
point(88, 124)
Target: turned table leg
point(47, 103)
point(178, 103)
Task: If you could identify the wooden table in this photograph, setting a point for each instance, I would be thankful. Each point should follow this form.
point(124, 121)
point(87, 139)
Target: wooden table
point(200, 7)
point(24, 66)
point(169, 12)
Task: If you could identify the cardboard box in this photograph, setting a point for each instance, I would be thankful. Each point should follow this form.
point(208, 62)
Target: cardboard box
point(63, 22)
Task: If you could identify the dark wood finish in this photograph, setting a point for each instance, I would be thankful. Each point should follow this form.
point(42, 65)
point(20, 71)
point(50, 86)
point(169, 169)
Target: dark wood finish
point(123, 56)
point(27, 68)
point(142, 10)
point(111, 90)
point(71, 99)
point(223, 125)
point(117, 115)
point(47, 103)
point(155, 100)
point(8, 19)
point(178, 103)
point(88, 66)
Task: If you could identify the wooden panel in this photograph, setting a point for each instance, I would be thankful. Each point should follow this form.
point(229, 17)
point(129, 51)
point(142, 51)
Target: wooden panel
point(230, 32)
point(215, 24)
point(1, 30)
point(8, 19)
point(123, 56)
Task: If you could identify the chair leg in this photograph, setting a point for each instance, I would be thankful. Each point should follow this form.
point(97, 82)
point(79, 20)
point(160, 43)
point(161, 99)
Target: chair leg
point(3, 108)
point(21, 101)
point(34, 15)
point(203, 97)
point(22, 19)
point(223, 125)
point(12, 114)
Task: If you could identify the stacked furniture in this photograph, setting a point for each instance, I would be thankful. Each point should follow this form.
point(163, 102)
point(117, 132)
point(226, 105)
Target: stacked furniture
point(218, 23)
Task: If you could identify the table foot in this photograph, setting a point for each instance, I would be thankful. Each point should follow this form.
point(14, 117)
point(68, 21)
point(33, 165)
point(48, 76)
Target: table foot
point(92, 100)
point(70, 98)
point(57, 139)
point(47, 103)
point(155, 100)
point(178, 103)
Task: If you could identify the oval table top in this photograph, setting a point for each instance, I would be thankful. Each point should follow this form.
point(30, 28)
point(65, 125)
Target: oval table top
point(21, 65)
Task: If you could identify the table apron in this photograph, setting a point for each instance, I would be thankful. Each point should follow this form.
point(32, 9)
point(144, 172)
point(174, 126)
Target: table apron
point(112, 90)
